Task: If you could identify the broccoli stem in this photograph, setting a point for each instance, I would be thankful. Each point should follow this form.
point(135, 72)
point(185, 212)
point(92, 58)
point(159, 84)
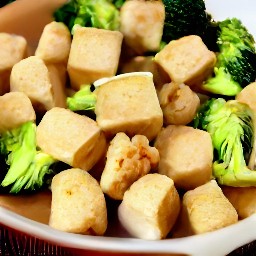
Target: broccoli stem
point(27, 165)
point(21, 158)
point(84, 99)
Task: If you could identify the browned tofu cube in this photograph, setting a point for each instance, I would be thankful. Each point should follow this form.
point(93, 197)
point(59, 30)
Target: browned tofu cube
point(16, 109)
point(142, 24)
point(78, 203)
point(205, 209)
point(32, 76)
point(186, 155)
point(54, 43)
point(128, 103)
point(13, 49)
point(71, 138)
point(243, 199)
point(187, 60)
point(150, 207)
point(94, 54)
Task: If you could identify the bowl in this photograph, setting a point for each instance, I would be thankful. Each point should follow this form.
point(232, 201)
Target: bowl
point(27, 18)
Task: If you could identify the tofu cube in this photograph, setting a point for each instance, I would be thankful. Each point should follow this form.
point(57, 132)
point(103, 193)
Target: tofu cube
point(128, 103)
point(142, 24)
point(150, 207)
point(16, 109)
point(78, 204)
point(205, 209)
point(32, 76)
point(71, 138)
point(186, 155)
point(187, 60)
point(13, 49)
point(94, 54)
point(243, 199)
point(54, 43)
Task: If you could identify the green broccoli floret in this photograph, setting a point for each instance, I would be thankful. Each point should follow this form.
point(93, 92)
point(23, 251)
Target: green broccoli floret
point(27, 166)
point(231, 126)
point(236, 59)
point(84, 99)
point(89, 13)
point(184, 17)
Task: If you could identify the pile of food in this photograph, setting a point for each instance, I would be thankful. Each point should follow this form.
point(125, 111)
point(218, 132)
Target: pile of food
point(143, 103)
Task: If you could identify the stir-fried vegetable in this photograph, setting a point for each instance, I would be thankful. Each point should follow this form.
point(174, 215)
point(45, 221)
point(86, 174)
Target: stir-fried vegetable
point(231, 126)
point(28, 166)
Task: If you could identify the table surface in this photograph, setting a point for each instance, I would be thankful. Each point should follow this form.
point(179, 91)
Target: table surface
point(15, 243)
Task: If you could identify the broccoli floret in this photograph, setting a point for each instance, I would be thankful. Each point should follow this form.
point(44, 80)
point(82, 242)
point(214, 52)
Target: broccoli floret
point(231, 126)
point(84, 99)
point(184, 17)
point(236, 59)
point(27, 166)
point(89, 13)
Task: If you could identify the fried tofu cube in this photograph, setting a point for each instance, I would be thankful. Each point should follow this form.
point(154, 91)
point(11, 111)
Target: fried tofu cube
point(128, 103)
point(94, 54)
point(247, 95)
point(54, 43)
point(16, 109)
point(205, 209)
point(150, 207)
point(145, 64)
point(186, 155)
point(243, 199)
point(187, 60)
point(13, 49)
point(32, 76)
point(71, 138)
point(78, 204)
point(142, 24)
point(127, 161)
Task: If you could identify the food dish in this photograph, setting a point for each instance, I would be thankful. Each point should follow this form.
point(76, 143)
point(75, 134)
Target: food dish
point(215, 243)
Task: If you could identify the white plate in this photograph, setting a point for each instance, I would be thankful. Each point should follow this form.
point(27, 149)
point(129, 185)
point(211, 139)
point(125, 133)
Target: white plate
point(216, 243)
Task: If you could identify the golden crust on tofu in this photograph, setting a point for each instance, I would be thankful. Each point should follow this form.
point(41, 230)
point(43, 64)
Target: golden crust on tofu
point(54, 43)
point(127, 161)
point(13, 49)
point(205, 209)
point(247, 95)
point(186, 155)
point(145, 64)
point(44, 85)
point(187, 60)
point(71, 138)
point(78, 203)
point(150, 207)
point(16, 109)
point(94, 54)
point(31, 76)
point(179, 103)
point(243, 199)
point(142, 24)
point(128, 103)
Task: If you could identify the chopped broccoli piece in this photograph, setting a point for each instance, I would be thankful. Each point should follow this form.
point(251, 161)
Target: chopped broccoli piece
point(236, 59)
point(84, 99)
point(118, 3)
point(89, 13)
point(27, 165)
point(184, 17)
point(231, 126)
